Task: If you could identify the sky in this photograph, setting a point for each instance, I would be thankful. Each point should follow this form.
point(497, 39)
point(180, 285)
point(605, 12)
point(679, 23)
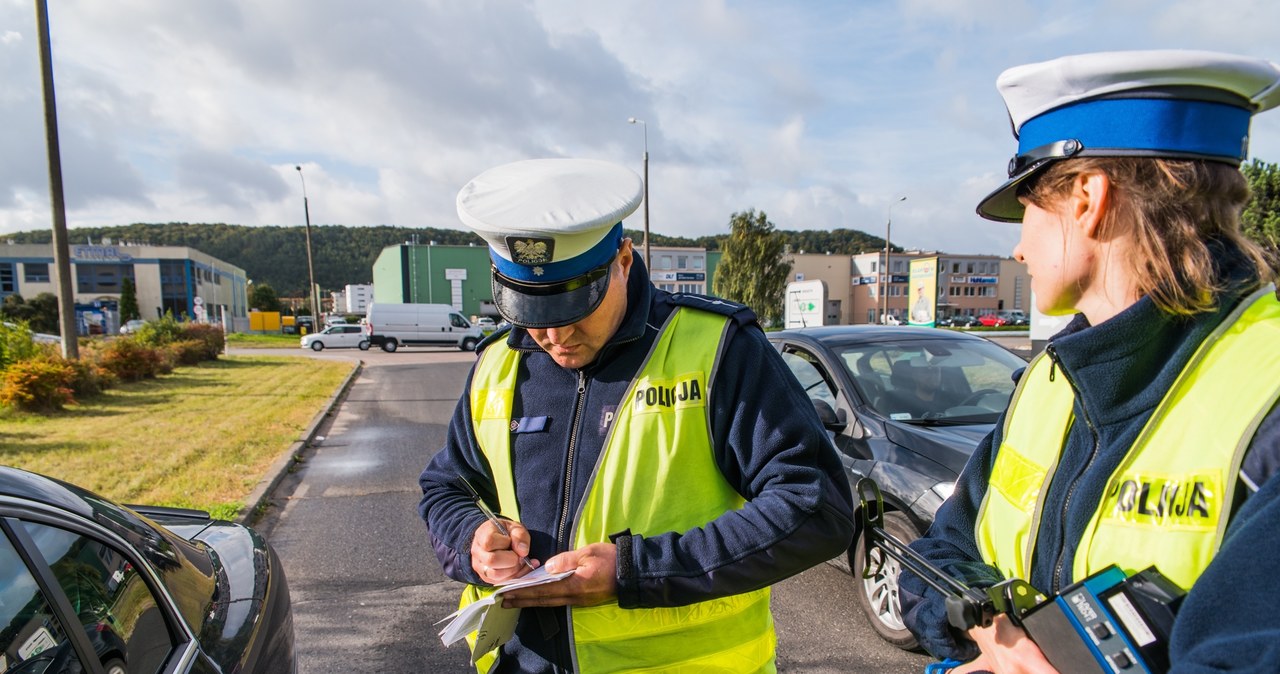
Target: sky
point(822, 114)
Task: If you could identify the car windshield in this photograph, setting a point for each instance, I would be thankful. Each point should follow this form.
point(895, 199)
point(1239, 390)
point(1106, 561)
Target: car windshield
point(933, 381)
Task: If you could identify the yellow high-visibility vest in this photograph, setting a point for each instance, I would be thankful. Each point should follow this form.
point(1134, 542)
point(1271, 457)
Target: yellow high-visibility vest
point(1169, 501)
point(657, 474)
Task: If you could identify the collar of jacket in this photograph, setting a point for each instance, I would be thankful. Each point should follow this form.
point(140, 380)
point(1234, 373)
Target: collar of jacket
point(1123, 366)
point(639, 297)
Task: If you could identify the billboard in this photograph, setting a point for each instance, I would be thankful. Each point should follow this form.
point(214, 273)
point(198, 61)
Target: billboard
point(805, 303)
point(922, 300)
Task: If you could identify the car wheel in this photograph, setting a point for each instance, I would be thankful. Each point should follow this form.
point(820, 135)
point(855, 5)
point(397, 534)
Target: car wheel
point(878, 595)
point(364, 345)
point(468, 344)
point(114, 666)
point(389, 346)
point(317, 346)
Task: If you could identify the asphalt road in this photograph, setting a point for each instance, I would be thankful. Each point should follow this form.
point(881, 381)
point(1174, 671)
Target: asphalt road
point(366, 587)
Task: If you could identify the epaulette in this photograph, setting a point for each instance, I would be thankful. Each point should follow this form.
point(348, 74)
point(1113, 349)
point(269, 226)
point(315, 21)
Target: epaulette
point(740, 313)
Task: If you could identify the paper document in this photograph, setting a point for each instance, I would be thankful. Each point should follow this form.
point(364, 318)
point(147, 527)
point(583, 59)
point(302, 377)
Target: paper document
point(493, 624)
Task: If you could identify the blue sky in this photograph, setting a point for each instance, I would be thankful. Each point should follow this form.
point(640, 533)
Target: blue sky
point(821, 114)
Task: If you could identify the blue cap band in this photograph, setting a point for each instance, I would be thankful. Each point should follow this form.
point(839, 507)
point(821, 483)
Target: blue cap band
point(555, 272)
point(1179, 126)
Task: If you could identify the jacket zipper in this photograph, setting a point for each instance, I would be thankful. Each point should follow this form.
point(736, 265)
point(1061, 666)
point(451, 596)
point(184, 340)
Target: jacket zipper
point(562, 531)
point(1071, 489)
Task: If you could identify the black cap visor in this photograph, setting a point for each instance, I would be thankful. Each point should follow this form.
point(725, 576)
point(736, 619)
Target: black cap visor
point(550, 305)
point(1002, 205)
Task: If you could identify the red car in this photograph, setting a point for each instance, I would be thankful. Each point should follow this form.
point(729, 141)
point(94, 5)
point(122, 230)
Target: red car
point(992, 320)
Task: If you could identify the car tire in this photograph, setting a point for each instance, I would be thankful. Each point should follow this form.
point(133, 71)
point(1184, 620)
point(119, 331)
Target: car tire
point(878, 595)
point(114, 666)
point(468, 344)
point(389, 346)
point(363, 345)
point(317, 346)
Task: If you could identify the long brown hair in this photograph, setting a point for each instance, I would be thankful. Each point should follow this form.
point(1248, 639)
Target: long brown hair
point(1174, 209)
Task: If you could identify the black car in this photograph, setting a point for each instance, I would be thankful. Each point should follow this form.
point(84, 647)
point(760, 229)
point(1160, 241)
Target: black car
point(959, 321)
point(906, 407)
point(90, 586)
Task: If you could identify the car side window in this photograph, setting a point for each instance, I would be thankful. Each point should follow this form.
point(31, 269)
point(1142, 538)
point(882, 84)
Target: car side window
point(812, 377)
point(115, 606)
point(31, 636)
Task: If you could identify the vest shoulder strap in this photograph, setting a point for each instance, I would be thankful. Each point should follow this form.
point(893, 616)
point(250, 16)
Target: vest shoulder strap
point(740, 313)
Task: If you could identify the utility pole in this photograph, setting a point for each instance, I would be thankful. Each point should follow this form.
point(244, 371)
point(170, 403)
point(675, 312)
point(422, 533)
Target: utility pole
point(61, 250)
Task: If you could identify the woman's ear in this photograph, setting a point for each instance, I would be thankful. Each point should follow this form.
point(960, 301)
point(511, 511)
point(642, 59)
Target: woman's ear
point(1090, 201)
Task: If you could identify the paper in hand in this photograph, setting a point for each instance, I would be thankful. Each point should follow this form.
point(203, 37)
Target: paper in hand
point(493, 624)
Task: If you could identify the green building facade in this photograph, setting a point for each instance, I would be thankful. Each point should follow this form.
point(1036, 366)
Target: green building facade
point(456, 275)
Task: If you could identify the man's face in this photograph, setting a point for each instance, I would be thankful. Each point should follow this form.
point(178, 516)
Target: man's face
point(576, 345)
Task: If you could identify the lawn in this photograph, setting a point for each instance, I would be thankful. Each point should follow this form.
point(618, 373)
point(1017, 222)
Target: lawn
point(201, 437)
point(259, 340)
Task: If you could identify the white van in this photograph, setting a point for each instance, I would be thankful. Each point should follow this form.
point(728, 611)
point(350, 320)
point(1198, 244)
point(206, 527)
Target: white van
point(392, 325)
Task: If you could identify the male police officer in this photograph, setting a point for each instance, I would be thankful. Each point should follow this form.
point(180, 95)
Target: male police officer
point(653, 443)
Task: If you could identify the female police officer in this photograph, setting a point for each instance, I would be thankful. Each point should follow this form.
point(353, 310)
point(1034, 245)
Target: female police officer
point(1147, 433)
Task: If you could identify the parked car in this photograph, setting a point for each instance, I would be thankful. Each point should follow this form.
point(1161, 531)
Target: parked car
point(486, 323)
point(906, 406)
point(959, 321)
point(149, 589)
point(132, 326)
point(337, 337)
point(993, 320)
point(334, 319)
point(391, 326)
point(1014, 317)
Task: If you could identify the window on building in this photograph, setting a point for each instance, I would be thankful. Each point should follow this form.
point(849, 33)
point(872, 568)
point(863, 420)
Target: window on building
point(969, 267)
point(35, 272)
point(955, 267)
point(101, 278)
point(664, 262)
point(682, 262)
point(8, 281)
point(697, 262)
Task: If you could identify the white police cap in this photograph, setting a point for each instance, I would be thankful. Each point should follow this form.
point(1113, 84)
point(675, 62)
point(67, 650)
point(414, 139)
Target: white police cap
point(553, 227)
point(1180, 104)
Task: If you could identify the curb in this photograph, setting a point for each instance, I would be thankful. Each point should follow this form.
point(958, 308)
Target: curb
point(280, 467)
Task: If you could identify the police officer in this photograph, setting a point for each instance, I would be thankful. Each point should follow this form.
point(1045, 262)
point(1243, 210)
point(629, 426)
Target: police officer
point(1147, 433)
point(653, 443)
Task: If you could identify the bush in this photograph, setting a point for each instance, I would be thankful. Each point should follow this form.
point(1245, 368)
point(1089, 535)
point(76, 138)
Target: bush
point(188, 351)
point(164, 330)
point(16, 344)
point(210, 337)
point(90, 376)
point(130, 359)
point(39, 385)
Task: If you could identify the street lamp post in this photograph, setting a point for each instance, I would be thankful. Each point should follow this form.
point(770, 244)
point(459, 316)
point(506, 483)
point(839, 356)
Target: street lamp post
point(633, 120)
point(311, 271)
point(884, 269)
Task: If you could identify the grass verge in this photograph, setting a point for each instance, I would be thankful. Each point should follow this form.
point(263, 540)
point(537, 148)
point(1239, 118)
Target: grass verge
point(263, 340)
point(201, 437)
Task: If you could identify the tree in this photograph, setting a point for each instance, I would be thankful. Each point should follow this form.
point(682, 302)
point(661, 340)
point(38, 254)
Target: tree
point(40, 312)
point(1261, 218)
point(264, 298)
point(752, 271)
point(128, 301)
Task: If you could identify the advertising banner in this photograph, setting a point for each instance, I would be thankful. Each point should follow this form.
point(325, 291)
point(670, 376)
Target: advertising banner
point(922, 302)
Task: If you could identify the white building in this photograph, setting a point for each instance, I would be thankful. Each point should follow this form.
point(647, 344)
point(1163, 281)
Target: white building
point(357, 298)
point(175, 279)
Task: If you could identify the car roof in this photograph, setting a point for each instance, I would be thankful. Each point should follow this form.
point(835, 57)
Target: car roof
point(21, 484)
point(852, 335)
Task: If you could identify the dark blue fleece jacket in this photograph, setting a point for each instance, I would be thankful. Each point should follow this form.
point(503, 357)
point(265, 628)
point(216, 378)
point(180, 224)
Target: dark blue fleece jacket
point(767, 441)
point(1121, 369)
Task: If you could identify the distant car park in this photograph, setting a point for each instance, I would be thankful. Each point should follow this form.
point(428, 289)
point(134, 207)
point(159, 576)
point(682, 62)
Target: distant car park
point(906, 406)
point(132, 326)
point(337, 337)
point(37, 337)
point(92, 586)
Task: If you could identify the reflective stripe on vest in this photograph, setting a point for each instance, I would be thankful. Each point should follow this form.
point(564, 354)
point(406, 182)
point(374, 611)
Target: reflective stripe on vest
point(659, 437)
point(1168, 502)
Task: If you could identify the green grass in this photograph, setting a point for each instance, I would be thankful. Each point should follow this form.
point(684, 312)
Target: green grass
point(201, 437)
point(263, 340)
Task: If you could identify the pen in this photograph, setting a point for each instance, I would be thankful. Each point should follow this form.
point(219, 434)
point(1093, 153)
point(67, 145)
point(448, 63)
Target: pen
point(497, 523)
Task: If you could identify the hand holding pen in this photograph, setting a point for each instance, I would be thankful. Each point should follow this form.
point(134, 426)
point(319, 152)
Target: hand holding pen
point(491, 557)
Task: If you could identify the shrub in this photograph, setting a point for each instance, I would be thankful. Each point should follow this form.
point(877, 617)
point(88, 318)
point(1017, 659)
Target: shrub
point(130, 359)
point(188, 351)
point(17, 344)
point(210, 337)
point(164, 330)
point(39, 384)
point(90, 376)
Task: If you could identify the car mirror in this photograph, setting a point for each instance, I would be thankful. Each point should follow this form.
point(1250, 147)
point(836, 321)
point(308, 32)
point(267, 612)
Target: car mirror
point(830, 420)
